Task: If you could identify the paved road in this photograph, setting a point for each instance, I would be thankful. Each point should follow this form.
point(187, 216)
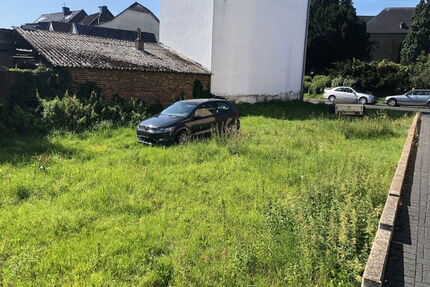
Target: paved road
point(409, 260)
point(377, 106)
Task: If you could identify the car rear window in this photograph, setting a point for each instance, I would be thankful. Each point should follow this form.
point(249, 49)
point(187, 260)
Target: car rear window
point(222, 106)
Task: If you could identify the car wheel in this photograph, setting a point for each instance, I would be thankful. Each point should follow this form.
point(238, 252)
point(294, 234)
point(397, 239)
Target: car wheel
point(392, 102)
point(332, 99)
point(428, 105)
point(183, 137)
point(363, 101)
point(232, 128)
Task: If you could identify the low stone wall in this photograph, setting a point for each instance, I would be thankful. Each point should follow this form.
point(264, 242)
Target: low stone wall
point(152, 87)
point(7, 80)
point(375, 269)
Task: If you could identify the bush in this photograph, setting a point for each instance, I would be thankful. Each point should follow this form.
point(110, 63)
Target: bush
point(420, 74)
point(199, 92)
point(78, 114)
point(319, 83)
point(381, 78)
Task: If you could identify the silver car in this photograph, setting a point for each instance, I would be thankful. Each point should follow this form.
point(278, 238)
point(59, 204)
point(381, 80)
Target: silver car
point(412, 98)
point(347, 95)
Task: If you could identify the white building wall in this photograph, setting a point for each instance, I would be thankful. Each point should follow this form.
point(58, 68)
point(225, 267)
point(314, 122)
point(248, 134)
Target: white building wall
point(258, 48)
point(186, 26)
point(131, 20)
point(254, 48)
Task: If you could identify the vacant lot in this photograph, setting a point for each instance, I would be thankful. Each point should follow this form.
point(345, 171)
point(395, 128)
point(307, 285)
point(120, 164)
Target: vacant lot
point(293, 200)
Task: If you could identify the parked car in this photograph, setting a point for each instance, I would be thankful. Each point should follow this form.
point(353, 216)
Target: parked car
point(185, 119)
point(347, 95)
point(412, 98)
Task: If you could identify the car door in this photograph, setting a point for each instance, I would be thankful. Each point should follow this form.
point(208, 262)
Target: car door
point(224, 113)
point(350, 96)
point(421, 98)
point(407, 99)
point(339, 94)
point(204, 118)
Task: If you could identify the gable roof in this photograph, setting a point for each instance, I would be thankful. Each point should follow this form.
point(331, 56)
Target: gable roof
point(389, 21)
point(81, 51)
point(59, 17)
point(111, 33)
point(140, 8)
point(97, 18)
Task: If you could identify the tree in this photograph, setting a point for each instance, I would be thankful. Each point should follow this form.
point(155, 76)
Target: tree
point(335, 34)
point(417, 41)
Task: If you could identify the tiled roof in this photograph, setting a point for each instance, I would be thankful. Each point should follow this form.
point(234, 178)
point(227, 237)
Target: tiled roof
point(79, 51)
point(389, 21)
point(97, 18)
point(59, 17)
point(111, 33)
point(88, 20)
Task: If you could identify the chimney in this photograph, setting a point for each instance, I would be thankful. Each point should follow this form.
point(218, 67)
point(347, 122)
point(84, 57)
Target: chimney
point(66, 11)
point(103, 9)
point(139, 44)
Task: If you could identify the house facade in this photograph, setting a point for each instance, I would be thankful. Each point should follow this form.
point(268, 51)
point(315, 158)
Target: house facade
point(131, 69)
point(135, 17)
point(254, 50)
point(387, 32)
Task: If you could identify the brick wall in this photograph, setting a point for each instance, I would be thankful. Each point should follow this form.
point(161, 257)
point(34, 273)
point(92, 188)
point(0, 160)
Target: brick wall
point(152, 87)
point(7, 80)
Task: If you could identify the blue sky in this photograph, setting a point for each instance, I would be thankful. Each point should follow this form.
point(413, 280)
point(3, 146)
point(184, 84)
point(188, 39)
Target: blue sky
point(17, 12)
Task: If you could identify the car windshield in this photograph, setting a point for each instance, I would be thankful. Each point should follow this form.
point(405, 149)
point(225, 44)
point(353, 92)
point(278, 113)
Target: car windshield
point(179, 109)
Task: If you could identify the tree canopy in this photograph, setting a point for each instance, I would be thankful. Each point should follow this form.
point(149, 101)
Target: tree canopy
point(417, 41)
point(335, 34)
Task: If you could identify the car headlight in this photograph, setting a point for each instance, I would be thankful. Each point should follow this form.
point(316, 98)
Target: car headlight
point(163, 130)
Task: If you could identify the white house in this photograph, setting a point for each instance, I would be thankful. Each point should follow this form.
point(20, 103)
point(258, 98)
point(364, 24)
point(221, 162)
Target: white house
point(254, 48)
point(134, 17)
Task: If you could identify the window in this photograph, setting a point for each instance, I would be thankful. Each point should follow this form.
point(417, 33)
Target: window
point(206, 110)
point(222, 106)
point(349, 91)
point(339, 90)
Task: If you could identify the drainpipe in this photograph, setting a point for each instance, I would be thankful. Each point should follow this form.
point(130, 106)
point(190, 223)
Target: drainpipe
point(305, 49)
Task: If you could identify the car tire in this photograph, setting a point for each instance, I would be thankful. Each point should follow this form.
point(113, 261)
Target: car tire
point(392, 103)
point(231, 128)
point(183, 137)
point(363, 101)
point(428, 105)
point(332, 99)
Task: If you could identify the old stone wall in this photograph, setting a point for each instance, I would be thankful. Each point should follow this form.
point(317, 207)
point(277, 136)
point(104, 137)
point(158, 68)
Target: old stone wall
point(7, 80)
point(152, 87)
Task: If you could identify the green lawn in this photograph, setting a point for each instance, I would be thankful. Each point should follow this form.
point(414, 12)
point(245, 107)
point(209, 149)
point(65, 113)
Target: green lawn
point(294, 200)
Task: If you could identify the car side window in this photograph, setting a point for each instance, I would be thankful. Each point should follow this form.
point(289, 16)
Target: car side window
point(206, 110)
point(339, 90)
point(223, 107)
point(348, 91)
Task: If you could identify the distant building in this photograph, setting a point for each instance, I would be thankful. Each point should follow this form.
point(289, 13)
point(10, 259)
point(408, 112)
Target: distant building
point(387, 32)
point(66, 16)
point(134, 17)
point(104, 15)
point(254, 49)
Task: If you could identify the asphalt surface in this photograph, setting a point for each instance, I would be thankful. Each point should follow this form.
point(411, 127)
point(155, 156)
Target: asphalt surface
point(378, 106)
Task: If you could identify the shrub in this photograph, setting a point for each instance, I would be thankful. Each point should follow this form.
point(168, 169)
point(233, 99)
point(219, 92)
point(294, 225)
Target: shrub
point(381, 78)
point(319, 83)
point(78, 114)
point(199, 92)
point(420, 75)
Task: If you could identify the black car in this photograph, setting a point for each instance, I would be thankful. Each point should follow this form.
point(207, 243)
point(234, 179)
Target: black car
point(185, 119)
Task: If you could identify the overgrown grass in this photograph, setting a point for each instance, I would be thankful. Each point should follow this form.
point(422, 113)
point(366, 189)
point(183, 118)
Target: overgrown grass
point(293, 200)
